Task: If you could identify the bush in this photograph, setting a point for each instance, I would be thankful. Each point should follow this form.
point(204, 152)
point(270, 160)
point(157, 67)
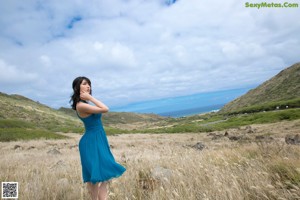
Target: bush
point(14, 123)
point(14, 134)
point(293, 103)
point(114, 131)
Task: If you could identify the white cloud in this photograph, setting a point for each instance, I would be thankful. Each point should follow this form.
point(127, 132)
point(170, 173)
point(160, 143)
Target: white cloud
point(11, 75)
point(45, 60)
point(140, 50)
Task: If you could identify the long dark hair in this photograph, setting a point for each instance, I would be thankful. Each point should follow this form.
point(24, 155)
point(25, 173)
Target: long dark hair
point(75, 98)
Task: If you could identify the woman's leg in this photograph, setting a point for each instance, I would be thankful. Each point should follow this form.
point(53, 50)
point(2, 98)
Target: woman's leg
point(102, 194)
point(93, 190)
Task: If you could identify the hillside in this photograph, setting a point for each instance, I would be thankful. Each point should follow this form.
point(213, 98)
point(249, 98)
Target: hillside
point(117, 118)
point(24, 119)
point(20, 112)
point(22, 109)
point(282, 87)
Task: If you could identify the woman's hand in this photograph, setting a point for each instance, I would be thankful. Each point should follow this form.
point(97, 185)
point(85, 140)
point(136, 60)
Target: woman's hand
point(85, 96)
point(87, 108)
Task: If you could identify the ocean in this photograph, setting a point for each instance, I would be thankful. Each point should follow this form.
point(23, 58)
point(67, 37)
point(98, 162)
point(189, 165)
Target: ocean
point(184, 105)
point(192, 111)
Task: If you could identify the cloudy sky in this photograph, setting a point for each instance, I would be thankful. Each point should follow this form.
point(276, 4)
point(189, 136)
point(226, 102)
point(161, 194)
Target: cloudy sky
point(137, 50)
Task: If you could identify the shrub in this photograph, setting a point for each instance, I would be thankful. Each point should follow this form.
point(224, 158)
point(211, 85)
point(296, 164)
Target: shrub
point(14, 123)
point(13, 134)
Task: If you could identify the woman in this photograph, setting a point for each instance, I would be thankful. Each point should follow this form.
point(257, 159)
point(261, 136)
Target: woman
point(98, 163)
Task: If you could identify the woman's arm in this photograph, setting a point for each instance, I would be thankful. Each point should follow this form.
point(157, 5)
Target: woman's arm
point(85, 108)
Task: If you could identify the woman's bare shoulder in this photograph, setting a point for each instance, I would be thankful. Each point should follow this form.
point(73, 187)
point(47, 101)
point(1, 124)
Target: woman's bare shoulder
point(81, 105)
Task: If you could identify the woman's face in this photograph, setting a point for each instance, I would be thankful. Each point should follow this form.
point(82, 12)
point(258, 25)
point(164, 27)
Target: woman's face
point(85, 87)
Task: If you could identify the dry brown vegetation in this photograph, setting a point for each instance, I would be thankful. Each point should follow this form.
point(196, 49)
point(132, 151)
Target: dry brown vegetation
point(165, 166)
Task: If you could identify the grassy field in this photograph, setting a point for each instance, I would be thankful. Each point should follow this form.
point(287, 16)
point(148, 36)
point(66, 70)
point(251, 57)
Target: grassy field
point(224, 169)
point(16, 129)
point(214, 121)
point(25, 119)
point(13, 130)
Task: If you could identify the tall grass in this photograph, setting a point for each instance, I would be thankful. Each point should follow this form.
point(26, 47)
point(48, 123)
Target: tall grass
point(220, 174)
point(224, 171)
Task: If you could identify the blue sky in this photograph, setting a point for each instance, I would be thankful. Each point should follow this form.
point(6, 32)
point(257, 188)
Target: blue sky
point(138, 51)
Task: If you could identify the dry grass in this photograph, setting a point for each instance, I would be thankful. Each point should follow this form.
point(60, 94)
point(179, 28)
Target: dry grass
point(223, 170)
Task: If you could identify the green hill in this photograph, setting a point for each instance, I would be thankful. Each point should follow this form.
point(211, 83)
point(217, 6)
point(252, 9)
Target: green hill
point(19, 108)
point(283, 90)
point(23, 118)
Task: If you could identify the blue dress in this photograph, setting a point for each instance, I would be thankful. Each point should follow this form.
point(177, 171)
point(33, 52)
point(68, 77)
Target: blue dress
point(98, 163)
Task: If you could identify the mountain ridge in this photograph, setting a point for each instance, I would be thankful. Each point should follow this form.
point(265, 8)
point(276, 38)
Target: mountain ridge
point(283, 86)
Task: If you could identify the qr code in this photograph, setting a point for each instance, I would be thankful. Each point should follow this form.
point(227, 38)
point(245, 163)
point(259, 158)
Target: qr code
point(10, 190)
